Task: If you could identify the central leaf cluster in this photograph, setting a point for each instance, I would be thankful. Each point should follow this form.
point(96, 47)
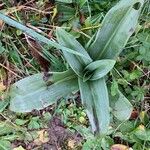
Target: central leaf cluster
point(97, 69)
point(87, 64)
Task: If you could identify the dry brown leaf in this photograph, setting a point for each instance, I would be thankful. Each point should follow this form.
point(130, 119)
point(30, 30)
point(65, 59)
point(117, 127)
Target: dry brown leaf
point(1, 23)
point(134, 114)
point(19, 148)
point(119, 147)
point(42, 137)
point(71, 143)
point(141, 127)
point(36, 51)
point(147, 25)
point(2, 87)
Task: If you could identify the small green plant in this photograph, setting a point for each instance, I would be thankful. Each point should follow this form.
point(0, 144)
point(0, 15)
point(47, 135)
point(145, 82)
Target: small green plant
point(89, 65)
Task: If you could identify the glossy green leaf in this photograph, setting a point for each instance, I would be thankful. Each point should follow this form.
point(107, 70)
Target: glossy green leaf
point(99, 68)
point(5, 145)
point(36, 35)
point(20, 122)
point(142, 134)
point(121, 107)
point(117, 26)
point(33, 93)
point(65, 12)
point(77, 63)
point(6, 128)
point(94, 97)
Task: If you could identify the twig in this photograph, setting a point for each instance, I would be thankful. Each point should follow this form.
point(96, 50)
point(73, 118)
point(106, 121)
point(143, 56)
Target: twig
point(10, 70)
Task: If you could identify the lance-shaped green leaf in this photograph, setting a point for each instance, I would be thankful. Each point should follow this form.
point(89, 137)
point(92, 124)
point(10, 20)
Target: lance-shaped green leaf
point(117, 26)
point(36, 35)
point(33, 93)
point(77, 63)
point(121, 107)
point(94, 97)
point(98, 69)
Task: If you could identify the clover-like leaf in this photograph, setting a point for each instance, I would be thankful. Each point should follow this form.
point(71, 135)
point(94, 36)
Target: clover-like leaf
point(121, 107)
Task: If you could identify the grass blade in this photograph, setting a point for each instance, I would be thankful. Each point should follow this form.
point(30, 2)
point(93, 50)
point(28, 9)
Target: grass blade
point(36, 35)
